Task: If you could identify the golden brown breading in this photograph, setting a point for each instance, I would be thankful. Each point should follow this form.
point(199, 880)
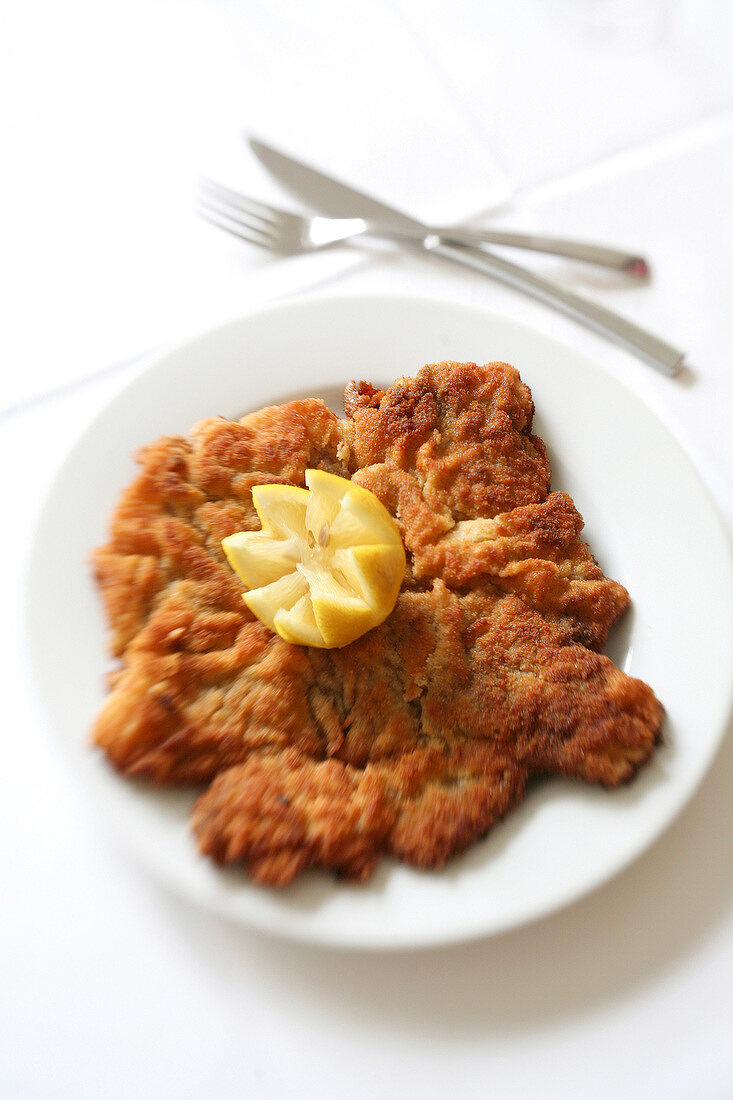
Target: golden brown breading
point(452, 455)
point(415, 739)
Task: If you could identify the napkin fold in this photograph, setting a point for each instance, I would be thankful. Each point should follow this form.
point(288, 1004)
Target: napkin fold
point(551, 88)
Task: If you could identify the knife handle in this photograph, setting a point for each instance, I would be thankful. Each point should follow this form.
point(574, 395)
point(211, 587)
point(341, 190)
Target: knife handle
point(660, 355)
point(600, 254)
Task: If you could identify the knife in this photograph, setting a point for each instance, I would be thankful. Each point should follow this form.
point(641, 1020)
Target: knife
point(340, 200)
point(330, 196)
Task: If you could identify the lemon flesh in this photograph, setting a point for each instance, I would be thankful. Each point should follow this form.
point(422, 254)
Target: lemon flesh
point(327, 565)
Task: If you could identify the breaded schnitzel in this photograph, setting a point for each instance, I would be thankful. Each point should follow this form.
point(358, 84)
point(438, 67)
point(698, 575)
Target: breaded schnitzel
point(415, 739)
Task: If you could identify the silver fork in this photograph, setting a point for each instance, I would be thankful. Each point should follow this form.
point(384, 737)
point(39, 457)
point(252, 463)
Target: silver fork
point(285, 232)
point(270, 227)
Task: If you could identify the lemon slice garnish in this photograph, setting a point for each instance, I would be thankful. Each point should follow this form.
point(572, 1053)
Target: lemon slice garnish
point(327, 565)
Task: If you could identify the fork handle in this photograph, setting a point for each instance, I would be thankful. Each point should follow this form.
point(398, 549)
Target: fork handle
point(555, 246)
point(660, 355)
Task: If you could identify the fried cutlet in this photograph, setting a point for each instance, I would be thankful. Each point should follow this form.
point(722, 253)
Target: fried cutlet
point(415, 739)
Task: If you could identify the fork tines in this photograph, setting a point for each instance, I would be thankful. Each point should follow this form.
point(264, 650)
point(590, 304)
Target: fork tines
point(247, 218)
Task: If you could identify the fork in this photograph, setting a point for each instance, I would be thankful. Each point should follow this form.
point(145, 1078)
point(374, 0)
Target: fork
point(295, 233)
point(285, 232)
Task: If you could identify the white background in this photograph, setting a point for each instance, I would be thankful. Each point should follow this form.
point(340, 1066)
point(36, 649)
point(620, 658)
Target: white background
point(605, 119)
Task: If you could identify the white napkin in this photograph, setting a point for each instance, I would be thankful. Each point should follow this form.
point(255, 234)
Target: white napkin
point(119, 106)
point(443, 109)
point(348, 87)
point(551, 88)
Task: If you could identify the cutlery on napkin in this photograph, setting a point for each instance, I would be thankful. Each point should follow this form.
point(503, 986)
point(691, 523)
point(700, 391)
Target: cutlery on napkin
point(331, 196)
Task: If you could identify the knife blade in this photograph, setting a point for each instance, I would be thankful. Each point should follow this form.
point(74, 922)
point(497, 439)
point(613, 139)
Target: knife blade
point(330, 196)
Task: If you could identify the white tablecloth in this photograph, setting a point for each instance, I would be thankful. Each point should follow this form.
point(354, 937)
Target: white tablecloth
point(605, 119)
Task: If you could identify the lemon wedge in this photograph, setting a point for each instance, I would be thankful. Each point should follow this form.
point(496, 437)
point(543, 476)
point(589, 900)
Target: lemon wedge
point(327, 565)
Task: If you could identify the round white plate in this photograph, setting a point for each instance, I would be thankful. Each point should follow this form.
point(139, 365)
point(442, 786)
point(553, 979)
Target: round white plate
point(649, 521)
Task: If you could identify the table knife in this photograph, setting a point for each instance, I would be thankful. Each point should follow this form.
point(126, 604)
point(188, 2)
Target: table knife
point(329, 196)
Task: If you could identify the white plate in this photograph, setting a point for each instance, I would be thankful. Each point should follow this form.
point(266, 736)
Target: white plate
point(649, 521)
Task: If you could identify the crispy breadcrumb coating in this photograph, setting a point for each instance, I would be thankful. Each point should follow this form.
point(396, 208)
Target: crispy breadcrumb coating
point(415, 739)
